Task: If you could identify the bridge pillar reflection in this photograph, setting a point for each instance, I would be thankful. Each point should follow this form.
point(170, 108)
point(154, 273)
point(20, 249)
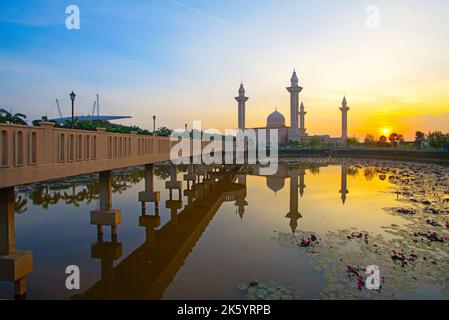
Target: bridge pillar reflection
point(201, 173)
point(15, 264)
point(174, 184)
point(107, 253)
point(190, 176)
point(190, 193)
point(106, 215)
point(174, 206)
point(150, 223)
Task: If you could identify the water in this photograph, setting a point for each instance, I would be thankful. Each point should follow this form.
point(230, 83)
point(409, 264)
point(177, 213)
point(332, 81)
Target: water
point(242, 239)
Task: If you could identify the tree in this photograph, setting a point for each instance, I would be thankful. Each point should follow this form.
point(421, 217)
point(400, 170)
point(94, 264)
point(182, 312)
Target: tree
point(393, 138)
point(37, 122)
point(163, 132)
point(420, 138)
point(293, 144)
point(369, 140)
point(383, 139)
point(16, 118)
point(438, 139)
point(314, 142)
point(353, 141)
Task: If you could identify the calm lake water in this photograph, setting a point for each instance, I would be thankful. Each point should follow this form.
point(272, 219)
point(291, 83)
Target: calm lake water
point(305, 233)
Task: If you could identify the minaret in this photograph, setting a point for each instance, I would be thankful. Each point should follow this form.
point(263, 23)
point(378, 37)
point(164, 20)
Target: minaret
point(344, 120)
point(293, 214)
point(241, 99)
point(294, 90)
point(240, 202)
point(302, 186)
point(344, 191)
point(302, 120)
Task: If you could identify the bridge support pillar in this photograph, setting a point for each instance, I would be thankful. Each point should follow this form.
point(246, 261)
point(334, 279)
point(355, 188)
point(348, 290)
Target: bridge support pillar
point(149, 195)
point(106, 215)
point(15, 264)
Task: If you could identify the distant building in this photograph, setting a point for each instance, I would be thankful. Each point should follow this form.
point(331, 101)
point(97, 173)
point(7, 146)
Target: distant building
point(297, 130)
point(90, 118)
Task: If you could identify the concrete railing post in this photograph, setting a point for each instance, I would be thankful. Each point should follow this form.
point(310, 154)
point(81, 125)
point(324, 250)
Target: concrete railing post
point(134, 151)
point(48, 141)
point(102, 144)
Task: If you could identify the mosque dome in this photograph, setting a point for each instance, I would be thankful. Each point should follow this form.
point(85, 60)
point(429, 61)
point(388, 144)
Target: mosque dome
point(275, 120)
point(275, 183)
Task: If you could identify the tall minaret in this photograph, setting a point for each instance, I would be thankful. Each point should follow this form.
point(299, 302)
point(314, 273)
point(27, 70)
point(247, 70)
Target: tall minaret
point(344, 120)
point(302, 120)
point(241, 99)
point(294, 90)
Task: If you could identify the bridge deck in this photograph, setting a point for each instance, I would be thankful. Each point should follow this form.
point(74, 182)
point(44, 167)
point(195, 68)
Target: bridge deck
point(33, 154)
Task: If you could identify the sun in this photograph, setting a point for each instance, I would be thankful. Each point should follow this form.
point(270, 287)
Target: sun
point(385, 131)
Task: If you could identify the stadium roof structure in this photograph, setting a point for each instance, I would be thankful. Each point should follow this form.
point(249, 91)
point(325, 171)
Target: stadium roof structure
point(90, 118)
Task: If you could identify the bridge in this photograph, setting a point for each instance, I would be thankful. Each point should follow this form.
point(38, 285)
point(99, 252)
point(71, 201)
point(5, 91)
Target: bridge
point(31, 154)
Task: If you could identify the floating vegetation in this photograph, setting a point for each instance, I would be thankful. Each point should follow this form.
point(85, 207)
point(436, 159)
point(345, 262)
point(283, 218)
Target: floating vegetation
point(359, 235)
point(309, 241)
point(343, 256)
point(270, 290)
point(410, 256)
point(403, 258)
point(433, 223)
point(429, 237)
point(407, 211)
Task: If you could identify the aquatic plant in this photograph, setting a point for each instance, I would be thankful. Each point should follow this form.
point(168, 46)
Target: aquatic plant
point(270, 290)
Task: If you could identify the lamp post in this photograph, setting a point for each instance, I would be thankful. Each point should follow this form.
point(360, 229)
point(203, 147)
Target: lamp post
point(154, 123)
point(72, 97)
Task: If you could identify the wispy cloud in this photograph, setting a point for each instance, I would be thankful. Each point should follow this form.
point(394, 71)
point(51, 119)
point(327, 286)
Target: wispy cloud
point(205, 14)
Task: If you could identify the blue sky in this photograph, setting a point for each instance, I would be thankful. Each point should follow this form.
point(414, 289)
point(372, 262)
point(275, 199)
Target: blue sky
point(183, 60)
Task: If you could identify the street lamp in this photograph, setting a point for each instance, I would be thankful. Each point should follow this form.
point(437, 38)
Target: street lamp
point(72, 97)
point(154, 123)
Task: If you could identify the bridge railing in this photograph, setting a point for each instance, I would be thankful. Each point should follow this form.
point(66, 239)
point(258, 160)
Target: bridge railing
point(22, 146)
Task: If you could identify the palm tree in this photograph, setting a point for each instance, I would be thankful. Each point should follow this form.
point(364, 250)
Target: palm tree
point(9, 117)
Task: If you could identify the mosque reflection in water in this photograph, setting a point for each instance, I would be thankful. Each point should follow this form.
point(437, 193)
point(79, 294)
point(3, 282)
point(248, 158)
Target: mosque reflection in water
point(148, 270)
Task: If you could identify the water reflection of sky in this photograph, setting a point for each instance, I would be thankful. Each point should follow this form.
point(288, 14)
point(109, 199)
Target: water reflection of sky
point(234, 248)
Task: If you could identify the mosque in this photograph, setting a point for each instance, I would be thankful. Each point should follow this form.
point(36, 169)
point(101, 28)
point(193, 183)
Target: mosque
point(293, 133)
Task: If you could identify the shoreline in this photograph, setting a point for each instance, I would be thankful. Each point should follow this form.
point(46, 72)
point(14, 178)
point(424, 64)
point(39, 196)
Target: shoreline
point(439, 157)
